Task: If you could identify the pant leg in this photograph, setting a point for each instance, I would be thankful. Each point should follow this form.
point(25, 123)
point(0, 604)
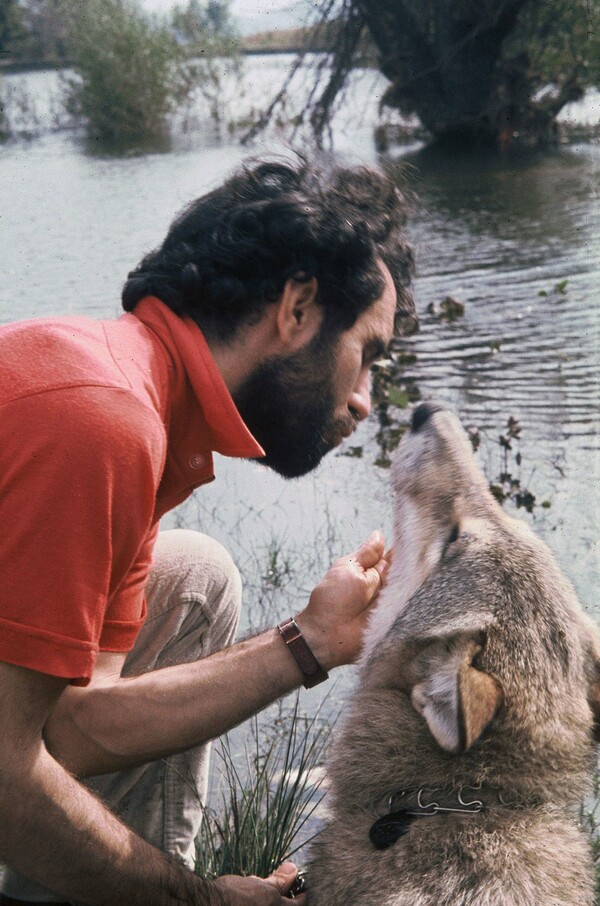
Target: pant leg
point(194, 596)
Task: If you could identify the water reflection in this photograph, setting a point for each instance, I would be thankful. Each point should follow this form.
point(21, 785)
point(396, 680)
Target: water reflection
point(496, 191)
point(116, 147)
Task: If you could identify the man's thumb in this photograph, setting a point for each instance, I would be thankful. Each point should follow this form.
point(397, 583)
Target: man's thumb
point(283, 877)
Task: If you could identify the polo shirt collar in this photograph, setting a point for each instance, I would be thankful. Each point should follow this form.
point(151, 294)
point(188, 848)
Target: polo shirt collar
point(186, 343)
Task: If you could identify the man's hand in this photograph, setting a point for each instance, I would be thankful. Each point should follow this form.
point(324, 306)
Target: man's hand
point(336, 616)
point(271, 891)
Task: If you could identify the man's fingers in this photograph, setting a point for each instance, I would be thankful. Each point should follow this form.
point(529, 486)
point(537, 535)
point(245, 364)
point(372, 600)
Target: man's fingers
point(283, 877)
point(375, 577)
point(384, 565)
point(371, 551)
point(383, 568)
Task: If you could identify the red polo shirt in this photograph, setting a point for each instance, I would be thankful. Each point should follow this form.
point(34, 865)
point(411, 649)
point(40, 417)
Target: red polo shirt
point(104, 427)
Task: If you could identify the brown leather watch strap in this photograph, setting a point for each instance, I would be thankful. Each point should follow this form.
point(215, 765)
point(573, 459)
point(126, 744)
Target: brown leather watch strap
point(309, 665)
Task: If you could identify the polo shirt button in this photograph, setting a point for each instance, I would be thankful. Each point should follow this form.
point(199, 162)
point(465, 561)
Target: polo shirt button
point(196, 461)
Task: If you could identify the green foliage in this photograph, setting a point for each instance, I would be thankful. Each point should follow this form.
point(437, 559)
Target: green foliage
point(561, 40)
point(10, 25)
point(267, 803)
point(129, 69)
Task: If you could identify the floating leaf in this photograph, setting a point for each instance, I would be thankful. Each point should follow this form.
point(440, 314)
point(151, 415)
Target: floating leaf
point(398, 397)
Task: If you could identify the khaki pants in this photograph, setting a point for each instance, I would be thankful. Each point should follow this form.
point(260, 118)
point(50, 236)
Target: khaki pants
point(194, 596)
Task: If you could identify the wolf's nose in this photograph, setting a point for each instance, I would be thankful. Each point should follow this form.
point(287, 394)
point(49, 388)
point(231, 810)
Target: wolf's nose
point(422, 414)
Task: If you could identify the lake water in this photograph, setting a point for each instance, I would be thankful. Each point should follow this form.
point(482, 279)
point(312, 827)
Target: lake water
point(516, 239)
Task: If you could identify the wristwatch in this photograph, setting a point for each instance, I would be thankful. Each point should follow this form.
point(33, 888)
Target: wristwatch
point(309, 665)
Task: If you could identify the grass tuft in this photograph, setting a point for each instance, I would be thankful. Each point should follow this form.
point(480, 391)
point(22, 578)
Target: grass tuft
point(269, 797)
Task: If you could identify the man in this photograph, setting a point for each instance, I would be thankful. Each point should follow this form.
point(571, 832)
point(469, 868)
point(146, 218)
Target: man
point(250, 332)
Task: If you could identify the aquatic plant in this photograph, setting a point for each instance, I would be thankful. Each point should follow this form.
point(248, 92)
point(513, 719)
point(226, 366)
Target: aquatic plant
point(560, 288)
point(392, 393)
point(509, 486)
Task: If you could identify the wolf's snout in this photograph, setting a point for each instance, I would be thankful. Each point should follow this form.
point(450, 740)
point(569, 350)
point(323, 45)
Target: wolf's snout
point(422, 414)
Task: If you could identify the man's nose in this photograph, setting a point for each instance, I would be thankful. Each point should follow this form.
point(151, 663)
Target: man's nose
point(359, 402)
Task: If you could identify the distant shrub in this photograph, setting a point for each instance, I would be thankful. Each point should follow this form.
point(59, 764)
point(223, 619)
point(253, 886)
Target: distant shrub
point(130, 72)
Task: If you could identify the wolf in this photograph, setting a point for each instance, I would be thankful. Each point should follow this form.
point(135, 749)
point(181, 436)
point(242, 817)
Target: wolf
point(469, 746)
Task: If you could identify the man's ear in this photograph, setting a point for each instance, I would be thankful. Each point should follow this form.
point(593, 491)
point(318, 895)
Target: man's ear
point(299, 316)
point(457, 701)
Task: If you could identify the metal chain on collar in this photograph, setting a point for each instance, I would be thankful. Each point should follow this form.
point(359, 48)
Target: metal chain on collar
point(423, 808)
point(393, 825)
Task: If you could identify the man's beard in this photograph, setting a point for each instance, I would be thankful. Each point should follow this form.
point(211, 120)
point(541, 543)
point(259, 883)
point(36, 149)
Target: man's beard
point(288, 404)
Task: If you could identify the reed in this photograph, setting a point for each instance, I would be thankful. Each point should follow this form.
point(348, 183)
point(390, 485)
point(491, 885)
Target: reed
point(269, 797)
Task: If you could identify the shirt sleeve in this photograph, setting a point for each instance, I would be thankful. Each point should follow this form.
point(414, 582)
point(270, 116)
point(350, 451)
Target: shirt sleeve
point(79, 469)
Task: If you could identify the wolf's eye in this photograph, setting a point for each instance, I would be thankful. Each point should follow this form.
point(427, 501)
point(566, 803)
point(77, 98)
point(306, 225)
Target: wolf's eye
point(454, 534)
point(451, 548)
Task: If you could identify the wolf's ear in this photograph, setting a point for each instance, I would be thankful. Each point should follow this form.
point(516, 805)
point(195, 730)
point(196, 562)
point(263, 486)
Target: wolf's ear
point(457, 701)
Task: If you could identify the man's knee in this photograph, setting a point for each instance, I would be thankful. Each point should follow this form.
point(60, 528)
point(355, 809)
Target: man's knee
point(192, 567)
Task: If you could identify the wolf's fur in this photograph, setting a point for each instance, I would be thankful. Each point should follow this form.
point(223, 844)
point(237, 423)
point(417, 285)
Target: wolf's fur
point(479, 667)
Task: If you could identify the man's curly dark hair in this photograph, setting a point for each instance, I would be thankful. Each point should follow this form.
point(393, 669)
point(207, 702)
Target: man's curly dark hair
point(230, 252)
